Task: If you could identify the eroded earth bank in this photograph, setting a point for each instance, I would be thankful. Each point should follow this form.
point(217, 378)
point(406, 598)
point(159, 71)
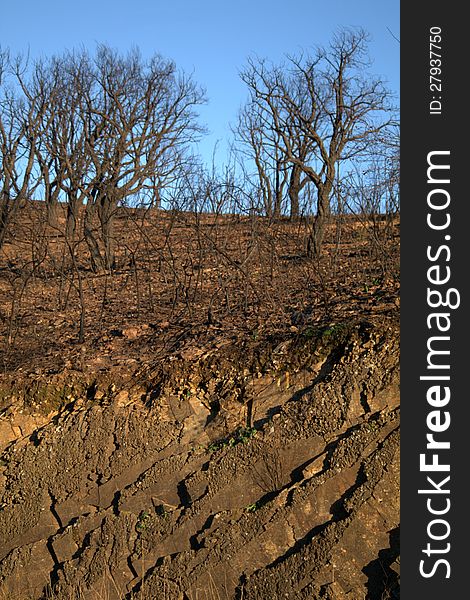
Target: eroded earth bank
point(255, 471)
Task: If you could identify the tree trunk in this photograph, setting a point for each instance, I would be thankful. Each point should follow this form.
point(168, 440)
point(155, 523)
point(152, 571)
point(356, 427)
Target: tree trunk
point(106, 214)
point(97, 262)
point(294, 191)
point(315, 242)
point(4, 220)
point(52, 211)
point(277, 195)
point(8, 209)
point(277, 205)
point(157, 202)
point(267, 201)
point(71, 221)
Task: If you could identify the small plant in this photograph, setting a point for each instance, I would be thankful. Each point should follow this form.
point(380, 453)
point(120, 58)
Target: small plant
point(245, 434)
point(241, 436)
point(335, 335)
point(333, 331)
point(214, 446)
point(372, 426)
point(310, 333)
point(252, 507)
point(186, 393)
point(376, 281)
point(142, 521)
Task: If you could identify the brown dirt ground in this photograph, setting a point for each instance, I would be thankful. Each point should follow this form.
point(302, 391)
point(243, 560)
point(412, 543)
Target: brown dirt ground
point(228, 428)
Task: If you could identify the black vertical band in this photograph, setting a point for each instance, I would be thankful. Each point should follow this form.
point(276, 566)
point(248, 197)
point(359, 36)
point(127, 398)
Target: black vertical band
point(434, 330)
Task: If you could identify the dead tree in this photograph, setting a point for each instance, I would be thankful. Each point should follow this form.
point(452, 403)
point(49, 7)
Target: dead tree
point(328, 102)
point(137, 118)
point(20, 119)
point(40, 88)
point(65, 138)
point(260, 144)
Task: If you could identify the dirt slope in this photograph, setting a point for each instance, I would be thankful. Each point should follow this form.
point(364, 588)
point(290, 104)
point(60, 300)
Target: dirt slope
point(250, 472)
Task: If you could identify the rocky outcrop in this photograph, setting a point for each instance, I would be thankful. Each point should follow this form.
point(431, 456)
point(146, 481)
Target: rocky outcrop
point(258, 472)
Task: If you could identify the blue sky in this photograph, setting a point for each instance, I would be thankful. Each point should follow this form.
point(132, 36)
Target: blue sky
point(212, 39)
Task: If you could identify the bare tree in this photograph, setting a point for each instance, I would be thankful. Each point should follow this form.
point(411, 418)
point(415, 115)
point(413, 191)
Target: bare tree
point(41, 89)
point(20, 125)
point(95, 130)
point(261, 145)
point(64, 138)
point(324, 108)
point(371, 191)
point(137, 119)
